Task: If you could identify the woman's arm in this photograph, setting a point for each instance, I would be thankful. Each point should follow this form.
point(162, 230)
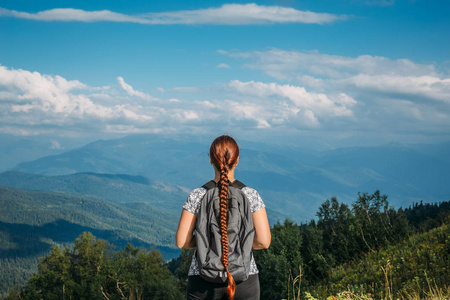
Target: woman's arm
point(185, 232)
point(262, 230)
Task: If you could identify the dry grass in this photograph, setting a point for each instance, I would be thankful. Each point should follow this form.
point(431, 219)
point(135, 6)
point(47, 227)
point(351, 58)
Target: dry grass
point(434, 292)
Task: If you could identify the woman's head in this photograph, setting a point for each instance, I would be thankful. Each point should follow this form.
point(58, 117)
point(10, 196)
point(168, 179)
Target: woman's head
point(224, 153)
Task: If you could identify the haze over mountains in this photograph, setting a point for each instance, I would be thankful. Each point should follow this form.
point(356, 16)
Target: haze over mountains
point(292, 181)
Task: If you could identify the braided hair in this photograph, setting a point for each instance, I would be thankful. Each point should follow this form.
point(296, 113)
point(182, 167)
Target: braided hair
point(224, 153)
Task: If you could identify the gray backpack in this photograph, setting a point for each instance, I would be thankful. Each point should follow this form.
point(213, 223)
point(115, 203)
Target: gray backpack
point(241, 233)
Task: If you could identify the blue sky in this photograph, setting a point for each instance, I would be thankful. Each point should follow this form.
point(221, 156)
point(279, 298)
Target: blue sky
point(322, 73)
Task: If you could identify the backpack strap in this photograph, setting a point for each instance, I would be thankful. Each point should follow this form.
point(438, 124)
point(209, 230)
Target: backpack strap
point(212, 184)
point(237, 184)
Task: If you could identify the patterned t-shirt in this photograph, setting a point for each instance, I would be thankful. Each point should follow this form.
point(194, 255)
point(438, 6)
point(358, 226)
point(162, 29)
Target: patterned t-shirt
point(192, 205)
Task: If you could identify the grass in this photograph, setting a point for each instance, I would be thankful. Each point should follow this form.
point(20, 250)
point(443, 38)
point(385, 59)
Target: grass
point(433, 291)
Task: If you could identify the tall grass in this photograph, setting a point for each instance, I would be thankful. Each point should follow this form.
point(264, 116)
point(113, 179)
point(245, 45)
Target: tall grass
point(432, 291)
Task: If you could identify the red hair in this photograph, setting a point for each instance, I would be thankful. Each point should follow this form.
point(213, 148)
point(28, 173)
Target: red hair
point(224, 153)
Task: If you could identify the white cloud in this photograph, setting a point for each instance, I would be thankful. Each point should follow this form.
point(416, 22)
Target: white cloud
point(32, 90)
point(185, 89)
point(283, 64)
point(32, 102)
point(249, 111)
point(392, 95)
point(223, 66)
point(242, 14)
point(431, 87)
point(73, 15)
point(227, 14)
point(299, 97)
point(364, 94)
point(33, 99)
point(132, 92)
point(304, 107)
point(220, 51)
point(365, 72)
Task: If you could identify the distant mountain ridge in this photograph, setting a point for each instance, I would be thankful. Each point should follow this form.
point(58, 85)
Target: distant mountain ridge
point(16, 149)
point(292, 181)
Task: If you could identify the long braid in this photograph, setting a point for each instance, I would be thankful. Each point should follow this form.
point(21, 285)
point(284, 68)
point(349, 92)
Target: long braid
point(224, 228)
point(224, 153)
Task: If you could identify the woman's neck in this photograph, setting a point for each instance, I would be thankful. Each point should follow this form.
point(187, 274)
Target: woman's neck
point(217, 175)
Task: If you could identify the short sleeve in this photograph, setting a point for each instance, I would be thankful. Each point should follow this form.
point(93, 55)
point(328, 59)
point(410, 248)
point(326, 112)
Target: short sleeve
point(255, 200)
point(193, 201)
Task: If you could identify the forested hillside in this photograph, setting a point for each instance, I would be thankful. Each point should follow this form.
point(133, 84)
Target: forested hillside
point(369, 234)
point(160, 198)
point(33, 221)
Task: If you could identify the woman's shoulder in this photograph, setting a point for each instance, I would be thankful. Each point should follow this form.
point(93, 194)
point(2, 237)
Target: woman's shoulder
point(192, 203)
point(255, 200)
point(197, 193)
point(249, 191)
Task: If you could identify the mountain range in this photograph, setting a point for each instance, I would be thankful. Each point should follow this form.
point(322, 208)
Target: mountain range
point(292, 181)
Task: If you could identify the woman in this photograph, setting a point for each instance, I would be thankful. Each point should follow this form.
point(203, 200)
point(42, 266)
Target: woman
point(224, 155)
